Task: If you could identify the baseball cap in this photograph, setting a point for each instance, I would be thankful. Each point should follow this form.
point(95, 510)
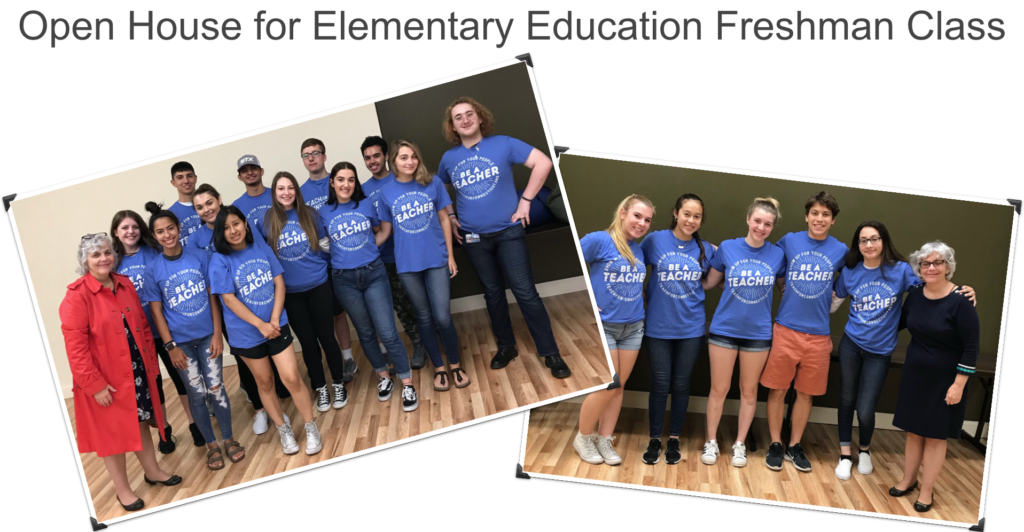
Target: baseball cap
point(247, 160)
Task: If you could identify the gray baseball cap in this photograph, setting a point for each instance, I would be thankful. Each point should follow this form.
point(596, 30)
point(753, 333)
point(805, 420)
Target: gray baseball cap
point(247, 160)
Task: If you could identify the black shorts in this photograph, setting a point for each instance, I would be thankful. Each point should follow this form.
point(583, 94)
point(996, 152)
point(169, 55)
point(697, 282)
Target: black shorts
point(271, 347)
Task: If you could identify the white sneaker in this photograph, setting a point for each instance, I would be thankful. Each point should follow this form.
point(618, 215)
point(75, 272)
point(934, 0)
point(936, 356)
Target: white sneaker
point(340, 396)
point(864, 465)
point(288, 443)
point(739, 454)
point(323, 399)
point(261, 422)
point(710, 455)
point(585, 447)
point(313, 442)
point(843, 469)
point(607, 451)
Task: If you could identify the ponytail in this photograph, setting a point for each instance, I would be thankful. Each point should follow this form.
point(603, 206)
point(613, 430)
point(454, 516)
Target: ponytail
point(769, 205)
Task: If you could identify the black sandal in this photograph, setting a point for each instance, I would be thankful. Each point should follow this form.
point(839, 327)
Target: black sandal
point(173, 481)
point(133, 507)
point(896, 492)
point(444, 381)
point(456, 373)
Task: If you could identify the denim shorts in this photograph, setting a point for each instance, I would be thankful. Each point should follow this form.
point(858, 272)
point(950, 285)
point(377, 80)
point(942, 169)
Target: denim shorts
point(740, 344)
point(625, 336)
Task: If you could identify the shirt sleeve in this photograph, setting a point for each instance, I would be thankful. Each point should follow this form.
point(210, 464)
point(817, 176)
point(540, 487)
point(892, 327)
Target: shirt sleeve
point(383, 207)
point(74, 323)
point(150, 290)
point(275, 265)
point(709, 255)
point(905, 312)
point(319, 223)
point(373, 217)
point(220, 275)
point(783, 264)
point(442, 199)
point(204, 263)
point(442, 170)
point(969, 327)
point(647, 246)
point(518, 151)
point(840, 286)
point(718, 258)
point(910, 279)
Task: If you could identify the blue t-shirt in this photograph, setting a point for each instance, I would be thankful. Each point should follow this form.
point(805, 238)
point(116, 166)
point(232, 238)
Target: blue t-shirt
point(181, 286)
point(203, 239)
point(305, 268)
point(249, 275)
point(618, 287)
point(372, 188)
point(134, 268)
point(811, 270)
point(745, 310)
point(315, 192)
point(876, 301)
point(482, 176)
point(188, 219)
point(412, 210)
point(675, 297)
point(350, 228)
point(254, 208)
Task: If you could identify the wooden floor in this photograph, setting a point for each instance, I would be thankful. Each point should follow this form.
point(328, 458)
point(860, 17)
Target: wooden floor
point(957, 492)
point(366, 422)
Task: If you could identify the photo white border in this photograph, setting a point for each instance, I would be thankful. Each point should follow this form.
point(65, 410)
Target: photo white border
point(185, 151)
point(996, 379)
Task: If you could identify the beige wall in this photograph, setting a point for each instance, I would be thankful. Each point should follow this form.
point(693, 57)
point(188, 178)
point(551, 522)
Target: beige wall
point(50, 241)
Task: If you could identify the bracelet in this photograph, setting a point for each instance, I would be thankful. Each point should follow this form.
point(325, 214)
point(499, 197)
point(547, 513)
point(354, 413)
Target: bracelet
point(450, 216)
point(521, 198)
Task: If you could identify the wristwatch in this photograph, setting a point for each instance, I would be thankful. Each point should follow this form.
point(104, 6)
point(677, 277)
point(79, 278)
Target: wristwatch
point(170, 345)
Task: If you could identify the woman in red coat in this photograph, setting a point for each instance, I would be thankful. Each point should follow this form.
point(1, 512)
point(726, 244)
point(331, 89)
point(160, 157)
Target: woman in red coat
point(101, 318)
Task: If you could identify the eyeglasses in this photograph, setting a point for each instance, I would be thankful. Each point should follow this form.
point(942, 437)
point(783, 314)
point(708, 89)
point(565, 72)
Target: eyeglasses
point(873, 240)
point(311, 154)
point(926, 264)
point(90, 235)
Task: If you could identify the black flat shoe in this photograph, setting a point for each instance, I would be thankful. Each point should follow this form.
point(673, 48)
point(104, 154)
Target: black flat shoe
point(559, 369)
point(173, 481)
point(894, 492)
point(197, 436)
point(133, 507)
point(504, 356)
point(923, 507)
point(167, 445)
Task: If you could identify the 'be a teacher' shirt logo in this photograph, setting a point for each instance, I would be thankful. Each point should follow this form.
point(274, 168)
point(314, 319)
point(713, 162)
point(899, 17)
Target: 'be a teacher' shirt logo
point(350, 230)
point(678, 275)
point(413, 211)
point(810, 274)
point(872, 302)
point(256, 214)
point(254, 282)
point(136, 274)
point(475, 177)
point(623, 281)
point(293, 244)
point(751, 280)
point(185, 292)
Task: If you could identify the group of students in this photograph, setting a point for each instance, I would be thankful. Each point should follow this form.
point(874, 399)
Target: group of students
point(815, 272)
point(303, 257)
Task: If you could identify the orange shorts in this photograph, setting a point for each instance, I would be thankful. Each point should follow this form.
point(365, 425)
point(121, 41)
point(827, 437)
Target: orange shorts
point(800, 355)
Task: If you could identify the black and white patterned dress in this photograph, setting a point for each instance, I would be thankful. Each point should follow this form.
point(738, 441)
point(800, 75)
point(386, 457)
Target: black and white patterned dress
point(142, 398)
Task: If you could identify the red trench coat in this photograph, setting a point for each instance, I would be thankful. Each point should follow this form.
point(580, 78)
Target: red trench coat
point(98, 352)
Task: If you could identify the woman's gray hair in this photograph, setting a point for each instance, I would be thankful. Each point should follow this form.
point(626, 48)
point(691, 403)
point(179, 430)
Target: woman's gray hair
point(944, 251)
point(90, 244)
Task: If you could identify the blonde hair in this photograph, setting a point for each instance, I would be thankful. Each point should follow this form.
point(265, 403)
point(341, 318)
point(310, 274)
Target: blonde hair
point(422, 176)
point(482, 113)
point(616, 231)
point(769, 205)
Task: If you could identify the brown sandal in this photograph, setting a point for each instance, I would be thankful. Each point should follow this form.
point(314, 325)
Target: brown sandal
point(456, 373)
point(444, 381)
point(232, 444)
point(213, 456)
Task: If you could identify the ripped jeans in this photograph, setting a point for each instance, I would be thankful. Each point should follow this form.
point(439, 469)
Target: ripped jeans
point(204, 376)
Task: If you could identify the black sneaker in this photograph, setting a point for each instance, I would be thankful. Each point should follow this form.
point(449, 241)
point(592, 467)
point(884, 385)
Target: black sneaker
point(672, 454)
point(559, 369)
point(384, 388)
point(774, 457)
point(504, 356)
point(409, 399)
point(653, 453)
point(796, 455)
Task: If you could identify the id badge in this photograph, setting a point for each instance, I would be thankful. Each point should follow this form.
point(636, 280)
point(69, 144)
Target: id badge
point(472, 238)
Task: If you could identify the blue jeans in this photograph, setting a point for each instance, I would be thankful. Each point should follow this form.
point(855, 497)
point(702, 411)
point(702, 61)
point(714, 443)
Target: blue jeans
point(861, 377)
point(430, 293)
point(671, 365)
point(366, 295)
point(202, 374)
point(504, 255)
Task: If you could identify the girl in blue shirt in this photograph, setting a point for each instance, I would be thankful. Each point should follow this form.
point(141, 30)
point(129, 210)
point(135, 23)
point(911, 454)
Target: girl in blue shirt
point(178, 292)
point(617, 274)
point(360, 279)
point(207, 203)
point(743, 321)
point(247, 276)
point(293, 230)
point(675, 324)
point(414, 206)
point(135, 247)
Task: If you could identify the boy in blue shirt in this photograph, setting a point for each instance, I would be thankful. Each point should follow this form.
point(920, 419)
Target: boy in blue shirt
point(801, 340)
point(257, 198)
point(375, 157)
point(183, 178)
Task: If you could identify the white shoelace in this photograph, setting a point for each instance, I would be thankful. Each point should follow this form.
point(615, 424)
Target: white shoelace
point(322, 397)
point(312, 434)
point(589, 446)
point(711, 448)
point(604, 445)
point(739, 451)
point(408, 393)
point(340, 392)
point(384, 384)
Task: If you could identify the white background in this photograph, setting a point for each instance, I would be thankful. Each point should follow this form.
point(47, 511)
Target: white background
point(932, 116)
